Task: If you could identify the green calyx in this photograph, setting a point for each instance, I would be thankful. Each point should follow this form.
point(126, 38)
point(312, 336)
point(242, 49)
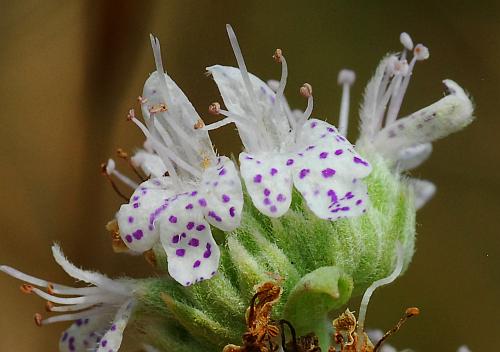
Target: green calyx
point(320, 265)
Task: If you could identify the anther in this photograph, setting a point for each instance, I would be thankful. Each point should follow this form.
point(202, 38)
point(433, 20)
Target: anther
point(158, 108)
point(421, 52)
point(278, 55)
point(26, 288)
point(306, 90)
point(214, 108)
point(199, 124)
point(38, 319)
point(405, 39)
point(50, 288)
point(142, 100)
point(48, 306)
point(413, 311)
point(131, 115)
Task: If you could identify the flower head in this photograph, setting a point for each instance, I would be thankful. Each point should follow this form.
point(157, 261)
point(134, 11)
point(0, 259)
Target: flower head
point(99, 312)
point(284, 148)
point(190, 186)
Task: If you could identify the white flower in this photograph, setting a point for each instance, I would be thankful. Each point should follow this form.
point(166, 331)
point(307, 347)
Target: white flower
point(100, 312)
point(285, 148)
point(406, 142)
point(191, 186)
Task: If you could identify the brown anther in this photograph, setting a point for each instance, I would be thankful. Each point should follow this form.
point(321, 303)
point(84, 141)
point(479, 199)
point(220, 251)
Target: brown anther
point(50, 289)
point(48, 306)
point(214, 108)
point(199, 124)
point(306, 90)
point(142, 100)
point(410, 312)
point(158, 108)
point(116, 241)
point(150, 257)
point(122, 154)
point(278, 55)
point(26, 288)
point(130, 114)
point(38, 319)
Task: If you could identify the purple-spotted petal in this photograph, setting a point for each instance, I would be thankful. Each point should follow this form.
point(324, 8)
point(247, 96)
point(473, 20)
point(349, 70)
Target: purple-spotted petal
point(268, 180)
point(137, 219)
point(84, 334)
point(192, 253)
point(320, 140)
point(220, 188)
point(329, 183)
point(112, 338)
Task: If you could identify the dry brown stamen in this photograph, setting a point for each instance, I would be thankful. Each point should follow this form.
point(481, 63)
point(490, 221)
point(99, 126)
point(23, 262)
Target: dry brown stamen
point(410, 312)
point(108, 177)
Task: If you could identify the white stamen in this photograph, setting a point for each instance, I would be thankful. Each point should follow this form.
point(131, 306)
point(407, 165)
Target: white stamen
point(75, 316)
point(96, 279)
point(177, 160)
point(421, 52)
point(72, 308)
point(218, 124)
point(369, 291)
point(94, 299)
point(281, 88)
point(111, 170)
point(405, 39)
point(345, 78)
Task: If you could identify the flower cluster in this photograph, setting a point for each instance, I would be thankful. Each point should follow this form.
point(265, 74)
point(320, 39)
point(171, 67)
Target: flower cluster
point(326, 218)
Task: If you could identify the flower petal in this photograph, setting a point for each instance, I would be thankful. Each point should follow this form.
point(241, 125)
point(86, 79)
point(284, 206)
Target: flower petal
point(423, 191)
point(84, 334)
point(221, 189)
point(136, 220)
point(446, 116)
point(112, 339)
point(268, 180)
point(322, 141)
point(328, 180)
point(150, 163)
point(412, 157)
point(193, 254)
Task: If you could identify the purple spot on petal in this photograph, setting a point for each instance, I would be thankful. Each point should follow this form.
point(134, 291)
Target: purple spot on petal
point(257, 178)
point(273, 209)
point(314, 124)
point(281, 198)
point(225, 198)
point(172, 219)
point(190, 225)
point(135, 198)
point(303, 173)
point(196, 264)
point(194, 193)
point(194, 242)
point(232, 211)
point(267, 192)
point(138, 234)
point(200, 227)
point(338, 151)
point(323, 155)
point(267, 201)
point(136, 205)
point(289, 162)
point(202, 202)
point(333, 196)
point(189, 206)
point(175, 239)
point(311, 147)
point(328, 172)
point(359, 201)
point(128, 238)
point(130, 219)
point(180, 252)
point(104, 343)
point(359, 161)
point(113, 327)
point(222, 172)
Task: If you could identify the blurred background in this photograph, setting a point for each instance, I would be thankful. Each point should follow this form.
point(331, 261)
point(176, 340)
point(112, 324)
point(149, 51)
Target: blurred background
point(70, 70)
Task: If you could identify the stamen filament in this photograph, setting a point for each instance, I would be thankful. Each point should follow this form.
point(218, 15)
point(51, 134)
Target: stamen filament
point(346, 79)
point(74, 316)
point(71, 308)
